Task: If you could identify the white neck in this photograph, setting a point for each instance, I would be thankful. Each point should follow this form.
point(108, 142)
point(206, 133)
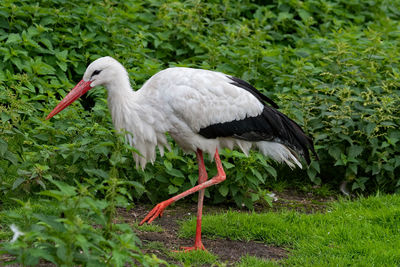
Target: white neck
point(134, 113)
point(121, 99)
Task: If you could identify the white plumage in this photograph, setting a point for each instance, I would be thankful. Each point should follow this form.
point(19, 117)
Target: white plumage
point(179, 101)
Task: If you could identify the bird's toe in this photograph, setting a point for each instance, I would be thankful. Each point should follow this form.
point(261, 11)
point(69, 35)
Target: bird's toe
point(197, 246)
point(156, 212)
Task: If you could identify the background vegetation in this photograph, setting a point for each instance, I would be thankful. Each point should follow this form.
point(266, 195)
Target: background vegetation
point(331, 65)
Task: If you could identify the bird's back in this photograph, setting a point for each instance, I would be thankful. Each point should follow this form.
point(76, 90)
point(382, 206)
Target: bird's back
point(201, 97)
point(207, 110)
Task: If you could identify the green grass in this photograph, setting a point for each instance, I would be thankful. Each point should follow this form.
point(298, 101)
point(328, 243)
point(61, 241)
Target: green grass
point(195, 258)
point(250, 261)
point(148, 227)
point(364, 232)
point(156, 245)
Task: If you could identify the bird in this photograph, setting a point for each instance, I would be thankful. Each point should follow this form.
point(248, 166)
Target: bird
point(204, 111)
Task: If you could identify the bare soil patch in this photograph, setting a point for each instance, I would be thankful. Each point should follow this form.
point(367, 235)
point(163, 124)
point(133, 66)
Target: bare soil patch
point(228, 251)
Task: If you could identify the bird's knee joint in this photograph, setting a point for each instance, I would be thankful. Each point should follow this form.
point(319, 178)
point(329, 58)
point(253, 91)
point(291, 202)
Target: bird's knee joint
point(221, 177)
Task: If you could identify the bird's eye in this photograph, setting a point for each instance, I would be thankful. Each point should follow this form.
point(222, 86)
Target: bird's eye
point(95, 73)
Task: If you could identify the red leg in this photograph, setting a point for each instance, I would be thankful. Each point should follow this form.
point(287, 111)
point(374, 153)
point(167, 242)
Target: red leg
point(202, 168)
point(159, 209)
point(202, 178)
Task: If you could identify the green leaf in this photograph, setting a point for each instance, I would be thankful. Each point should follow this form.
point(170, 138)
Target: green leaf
point(13, 38)
point(42, 137)
point(353, 168)
point(41, 183)
point(117, 158)
point(315, 165)
point(168, 164)
point(162, 179)
point(101, 149)
point(175, 172)
point(304, 15)
point(271, 170)
point(63, 66)
point(312, 174)
point(284, 16)
point(47, 43)
point(62, 55)
point(193, 179)
point(3, 147)
point(227, 165)
point(54, 194)
point(234, 189)
point(42, 68)
point(17, 183)
point(223, 190)
point(178, 181)
point(96, 173)
point(66, 189)
point(335, 152)
point(257, 174)
point(355, 151)
point(172, 189)
point(137, 185)
point(62, 252)
point(10, 157)
point(78, 155)
point(370, 128)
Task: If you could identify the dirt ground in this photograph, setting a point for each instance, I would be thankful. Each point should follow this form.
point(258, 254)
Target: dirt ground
point(228, 251)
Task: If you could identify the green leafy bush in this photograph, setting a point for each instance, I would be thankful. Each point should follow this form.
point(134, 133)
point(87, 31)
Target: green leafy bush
point(353, 112)
point(83, 231)
point(331, 66)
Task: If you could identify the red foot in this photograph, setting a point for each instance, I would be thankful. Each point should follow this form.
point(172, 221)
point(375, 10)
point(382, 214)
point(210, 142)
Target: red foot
point(155, 212)
point(195, 247)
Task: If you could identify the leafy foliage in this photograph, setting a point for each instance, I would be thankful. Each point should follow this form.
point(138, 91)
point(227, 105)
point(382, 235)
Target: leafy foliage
point(332, 65)
point(69, 238)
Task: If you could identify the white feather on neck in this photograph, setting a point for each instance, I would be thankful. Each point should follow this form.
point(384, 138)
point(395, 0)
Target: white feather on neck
point(135, 114)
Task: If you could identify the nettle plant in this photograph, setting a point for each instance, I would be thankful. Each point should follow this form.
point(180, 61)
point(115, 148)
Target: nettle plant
point(84, 229)
point(331, 65)
point(352, 109)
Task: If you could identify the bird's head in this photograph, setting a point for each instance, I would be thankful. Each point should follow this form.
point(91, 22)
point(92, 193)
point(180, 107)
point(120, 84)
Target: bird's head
point(102, 71)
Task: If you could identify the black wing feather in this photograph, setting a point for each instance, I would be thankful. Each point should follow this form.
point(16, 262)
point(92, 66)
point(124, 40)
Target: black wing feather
point(251, 89)
point(270, 125)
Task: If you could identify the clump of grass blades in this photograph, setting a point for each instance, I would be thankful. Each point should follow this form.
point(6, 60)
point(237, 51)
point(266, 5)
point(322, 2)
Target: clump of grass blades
point(362, 232)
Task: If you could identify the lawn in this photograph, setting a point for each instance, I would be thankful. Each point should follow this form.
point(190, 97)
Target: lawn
point(362, 232)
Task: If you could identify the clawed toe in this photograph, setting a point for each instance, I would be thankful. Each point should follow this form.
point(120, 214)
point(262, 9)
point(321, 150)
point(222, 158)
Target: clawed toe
point(195, 247)
point(156, 212)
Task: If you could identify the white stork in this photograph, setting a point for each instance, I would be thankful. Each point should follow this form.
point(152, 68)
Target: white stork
point(202, 110)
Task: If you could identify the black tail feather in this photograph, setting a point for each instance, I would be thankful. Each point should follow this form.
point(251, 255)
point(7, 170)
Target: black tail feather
point(270, 125)
point(289, 133)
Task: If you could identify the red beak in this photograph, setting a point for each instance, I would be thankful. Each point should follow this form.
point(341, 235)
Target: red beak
point(76, 92)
